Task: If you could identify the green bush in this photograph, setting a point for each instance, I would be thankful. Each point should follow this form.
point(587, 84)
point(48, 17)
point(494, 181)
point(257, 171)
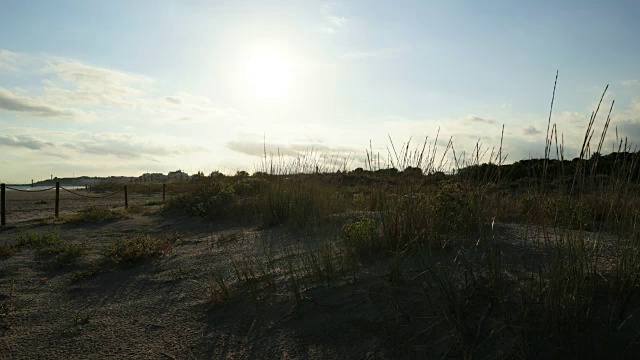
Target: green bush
point(211, 198)
point(95, 214)
point(128, 250)
point(7, 250)
point(38, 240)
point(249, 186)
point(67, 253)
point(455, 210)
point(361, 237)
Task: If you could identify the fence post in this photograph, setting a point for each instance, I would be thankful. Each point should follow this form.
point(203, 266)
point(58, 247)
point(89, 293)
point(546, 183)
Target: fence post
point(164, 191)
point(57, 198)
point(126, 199)
point(3, 210)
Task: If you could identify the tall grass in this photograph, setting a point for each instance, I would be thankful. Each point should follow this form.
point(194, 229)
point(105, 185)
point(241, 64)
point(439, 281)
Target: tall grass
point(571, 275)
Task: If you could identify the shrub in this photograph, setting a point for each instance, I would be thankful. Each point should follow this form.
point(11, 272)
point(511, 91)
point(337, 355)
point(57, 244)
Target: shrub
point(95, 214)
point(67, 253)
point(249, 186)
point(211, 198)
point(455, 210)
point(362, 236)
point(38, 240)
point(128, 250)
point(7, 250)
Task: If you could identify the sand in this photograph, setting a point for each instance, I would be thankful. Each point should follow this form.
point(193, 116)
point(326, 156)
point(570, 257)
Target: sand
point(162, 308)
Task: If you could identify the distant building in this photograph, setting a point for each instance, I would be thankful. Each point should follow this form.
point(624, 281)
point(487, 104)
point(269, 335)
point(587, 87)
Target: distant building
point(153, 178)
point(178, 176)
point(216, 174)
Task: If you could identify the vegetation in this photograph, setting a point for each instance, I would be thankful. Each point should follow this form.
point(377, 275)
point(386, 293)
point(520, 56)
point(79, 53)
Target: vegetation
point(49, 243)
point(96, 214)
point(532, 259)
point(6, 249)
point(576, 277)
point(129, 250)
point(38, 239)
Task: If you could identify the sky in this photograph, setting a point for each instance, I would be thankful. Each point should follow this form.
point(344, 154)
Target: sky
point(116, 87)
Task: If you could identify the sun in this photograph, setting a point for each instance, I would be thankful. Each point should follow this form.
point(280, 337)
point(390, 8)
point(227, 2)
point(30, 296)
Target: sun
point(269, 75)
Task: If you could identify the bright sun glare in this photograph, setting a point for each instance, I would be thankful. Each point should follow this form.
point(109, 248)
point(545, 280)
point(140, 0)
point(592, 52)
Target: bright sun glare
point(269, 75)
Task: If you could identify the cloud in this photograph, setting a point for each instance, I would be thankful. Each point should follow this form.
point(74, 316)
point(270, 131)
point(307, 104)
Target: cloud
point(31, 106)
point(92, 84)
point(632, 82)
point(478, 119)
point(69, 87)
point(372, 54)
point(254, 148)
point(333, 23)
point(531, 130)
point(173, 99)
point(126, 145)
point(571, 117)
point(8, 59)
point(24, 140)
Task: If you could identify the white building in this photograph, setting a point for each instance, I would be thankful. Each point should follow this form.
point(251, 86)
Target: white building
point(178, 176)
point(153, 178)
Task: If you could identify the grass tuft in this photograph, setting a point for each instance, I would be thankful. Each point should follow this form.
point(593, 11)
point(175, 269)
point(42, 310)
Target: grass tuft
point(7, 250)
point(128, 250)
point(92, 214)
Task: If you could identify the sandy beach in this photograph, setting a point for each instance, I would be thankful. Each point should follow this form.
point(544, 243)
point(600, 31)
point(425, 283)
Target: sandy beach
point(163, 307)
point(25, 206)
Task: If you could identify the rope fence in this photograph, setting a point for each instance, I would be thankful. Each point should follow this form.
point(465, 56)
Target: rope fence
point(4, 187)
point(23, 190)
point(88, 196)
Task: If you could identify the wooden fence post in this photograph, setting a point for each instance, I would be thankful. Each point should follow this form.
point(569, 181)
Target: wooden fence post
point(3, 210)
point(164, 192)
point(126, 199)
point(57, 198)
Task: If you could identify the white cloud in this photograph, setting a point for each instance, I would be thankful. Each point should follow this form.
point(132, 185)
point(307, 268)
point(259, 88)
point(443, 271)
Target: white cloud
point(333, 23)
point(24, 140)
point(70, 87)
point(92, 84)
point(255, 148)
point(8, 60)
point(32, 106)
point(632, 82)
point(184, 107)
point(125, 145)
point(530, 130)
point(372, 54)
point(477, 119)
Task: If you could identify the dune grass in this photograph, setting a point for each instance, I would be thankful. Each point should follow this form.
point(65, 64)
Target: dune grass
point(92, 214)
point(128, 250)
point(576, 277)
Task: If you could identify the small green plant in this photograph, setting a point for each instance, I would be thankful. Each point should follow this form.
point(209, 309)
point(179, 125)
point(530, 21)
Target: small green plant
point(7, 250)
point(7, 308)
point(179, 273)
point(67, 253)
point(217, 289)
point(80, 275)
point(50, 243)
point(361, 236)
point(135, 209)
point(38, 240)
point(129, 250)
point(95, 214)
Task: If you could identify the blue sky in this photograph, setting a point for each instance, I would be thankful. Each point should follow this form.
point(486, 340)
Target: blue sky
point(125, 87)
